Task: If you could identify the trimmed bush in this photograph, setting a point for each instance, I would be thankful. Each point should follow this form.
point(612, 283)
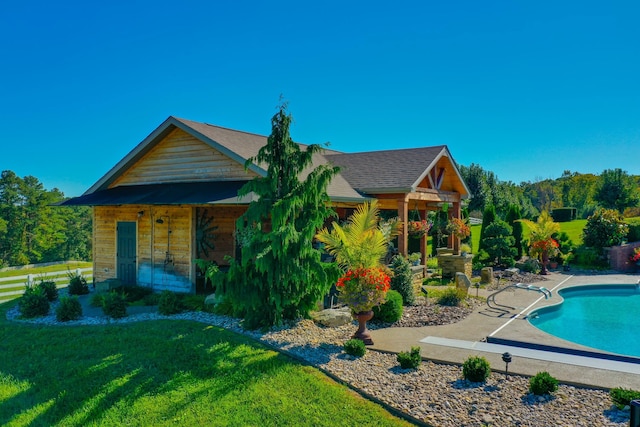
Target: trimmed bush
point(193, 302)
point(169, 303)
point(135, 293)
point(452, 296)
point(410, 360)
point(622, 397)
point(476, 369)
point(391, 310)
point(355, 347)
point(33, 303)
point(50, 289)
point(77, 284)
point(542, 383)
point(633, 235)
point(68, 309)
point(564, 214)
point(402, 279)
point(114, 304)
point(97, 300)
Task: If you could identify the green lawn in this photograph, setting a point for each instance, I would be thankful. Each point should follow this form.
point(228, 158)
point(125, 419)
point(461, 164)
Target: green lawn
point(48, 271)
point(161, 373)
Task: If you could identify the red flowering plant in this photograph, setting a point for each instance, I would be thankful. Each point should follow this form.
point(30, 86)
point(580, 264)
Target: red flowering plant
point(419, 228)
point(458, 228)
point(548, 247)
point(363, 288)
point(635, 257)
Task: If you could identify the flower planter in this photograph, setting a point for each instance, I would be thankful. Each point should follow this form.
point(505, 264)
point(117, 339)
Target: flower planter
point(363, 333)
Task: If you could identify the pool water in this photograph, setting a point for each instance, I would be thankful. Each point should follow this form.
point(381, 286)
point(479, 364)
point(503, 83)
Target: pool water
point(605, 317)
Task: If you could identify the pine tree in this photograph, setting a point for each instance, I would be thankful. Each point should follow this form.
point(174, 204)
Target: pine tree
point(279, 274)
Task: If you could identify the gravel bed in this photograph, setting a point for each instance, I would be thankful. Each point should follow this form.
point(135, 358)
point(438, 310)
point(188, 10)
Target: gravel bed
point(434, 394)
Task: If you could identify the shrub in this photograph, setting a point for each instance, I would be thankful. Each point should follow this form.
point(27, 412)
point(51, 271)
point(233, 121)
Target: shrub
point(410, 360)
point(68, 309)
point(169, 303)
point(588, 257)
point(391, 310)
point(114, 304)
point(151, 299)
point(633, 235)
point(33, 302)
point(50, 289)
point(402, 279)
point(604, 228)
point(542, 383)
point(452, 296)
point(193, 302)
point(77, 284)
point(97, 300)
point(135, 293)
point(355, 347)
point(622, 397)
point(499, 244)
point(476, 369)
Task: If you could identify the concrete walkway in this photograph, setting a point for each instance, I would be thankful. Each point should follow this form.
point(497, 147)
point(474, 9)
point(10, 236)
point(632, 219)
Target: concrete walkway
point(456, 342)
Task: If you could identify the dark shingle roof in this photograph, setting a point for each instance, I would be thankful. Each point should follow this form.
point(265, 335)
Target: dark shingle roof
point(387, 170)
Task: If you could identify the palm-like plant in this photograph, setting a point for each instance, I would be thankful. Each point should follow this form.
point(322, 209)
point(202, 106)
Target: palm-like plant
point(540, 240)
point(362, 242)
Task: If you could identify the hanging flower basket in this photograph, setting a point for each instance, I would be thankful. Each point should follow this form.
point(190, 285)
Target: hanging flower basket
point(418, 228)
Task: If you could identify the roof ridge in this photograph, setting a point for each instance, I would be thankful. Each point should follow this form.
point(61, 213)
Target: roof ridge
point(220, 127)
point(392, 150)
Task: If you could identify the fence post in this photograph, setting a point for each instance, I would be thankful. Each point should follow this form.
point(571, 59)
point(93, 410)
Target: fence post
point(29, 280)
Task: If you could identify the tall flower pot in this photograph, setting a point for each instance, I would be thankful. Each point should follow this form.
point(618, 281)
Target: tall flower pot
point(363, 333)
point(545, 261)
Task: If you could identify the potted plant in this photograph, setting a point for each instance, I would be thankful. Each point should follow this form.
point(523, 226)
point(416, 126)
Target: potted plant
point(418, 228)
point(541, 244)
point(415, 257)
point(465, 249)
point(459, 228)
point(360, 246)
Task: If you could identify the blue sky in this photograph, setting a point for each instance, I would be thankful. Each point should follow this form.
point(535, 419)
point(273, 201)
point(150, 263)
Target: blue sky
point(525, 89)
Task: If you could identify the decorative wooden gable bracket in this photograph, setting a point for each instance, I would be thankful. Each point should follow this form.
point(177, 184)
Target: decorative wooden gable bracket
point(435, 179)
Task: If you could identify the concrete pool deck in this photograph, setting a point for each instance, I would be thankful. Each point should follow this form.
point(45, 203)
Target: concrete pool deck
point(456, 342)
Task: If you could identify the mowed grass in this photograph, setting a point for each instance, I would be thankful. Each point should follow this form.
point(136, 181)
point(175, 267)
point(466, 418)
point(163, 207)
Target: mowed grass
point(162, 373)
point(47, 271)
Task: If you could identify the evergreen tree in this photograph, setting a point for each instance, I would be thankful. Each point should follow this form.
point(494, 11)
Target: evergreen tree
point(513, 215)
point(499, 244)
point(487, 219)
point(279, 274)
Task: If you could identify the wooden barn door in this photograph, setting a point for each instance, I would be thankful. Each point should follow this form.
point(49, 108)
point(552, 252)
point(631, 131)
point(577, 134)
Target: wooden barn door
point(126, 256)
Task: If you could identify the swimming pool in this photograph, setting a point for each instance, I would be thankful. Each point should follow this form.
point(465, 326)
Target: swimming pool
point(604, 317)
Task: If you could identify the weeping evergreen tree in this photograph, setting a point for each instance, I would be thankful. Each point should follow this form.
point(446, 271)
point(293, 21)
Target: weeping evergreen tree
point(279, 274)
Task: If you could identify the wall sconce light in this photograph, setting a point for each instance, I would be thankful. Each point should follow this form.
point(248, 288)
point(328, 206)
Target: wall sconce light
point(140, 213)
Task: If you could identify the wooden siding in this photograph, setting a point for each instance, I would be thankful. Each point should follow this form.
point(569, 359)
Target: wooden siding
point(156, 266)
point(224, 217)
point(165, 251)
point(181, 157)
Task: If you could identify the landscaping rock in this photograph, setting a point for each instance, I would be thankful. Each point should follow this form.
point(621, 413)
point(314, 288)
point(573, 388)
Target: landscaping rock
point(333, 317)
point(462, 281)
point(486, 276)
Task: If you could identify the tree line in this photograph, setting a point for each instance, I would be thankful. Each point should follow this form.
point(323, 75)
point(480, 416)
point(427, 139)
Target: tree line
point(612, 189)
point(34, 230)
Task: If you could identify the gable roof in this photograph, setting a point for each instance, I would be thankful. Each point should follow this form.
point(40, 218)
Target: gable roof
point(394, 171)
point(361, 174)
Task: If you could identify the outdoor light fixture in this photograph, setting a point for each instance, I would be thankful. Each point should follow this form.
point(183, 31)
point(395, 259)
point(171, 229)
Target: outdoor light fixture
point(160, 221)
point(140, 213)
point(506, 358)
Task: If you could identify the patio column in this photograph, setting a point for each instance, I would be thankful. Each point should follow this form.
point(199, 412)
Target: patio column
point(456, 213)
point(403, 214)
point(423, 241)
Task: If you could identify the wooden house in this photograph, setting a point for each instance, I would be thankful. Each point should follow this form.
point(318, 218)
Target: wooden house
point(173, 198)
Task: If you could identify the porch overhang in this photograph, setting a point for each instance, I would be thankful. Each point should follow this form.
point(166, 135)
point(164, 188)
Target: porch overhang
point(191, 193)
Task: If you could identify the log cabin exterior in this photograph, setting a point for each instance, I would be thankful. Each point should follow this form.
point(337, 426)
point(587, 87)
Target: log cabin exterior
point(173, 198)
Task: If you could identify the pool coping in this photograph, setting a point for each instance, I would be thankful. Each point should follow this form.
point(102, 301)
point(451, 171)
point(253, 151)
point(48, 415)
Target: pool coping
point(469, 337)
